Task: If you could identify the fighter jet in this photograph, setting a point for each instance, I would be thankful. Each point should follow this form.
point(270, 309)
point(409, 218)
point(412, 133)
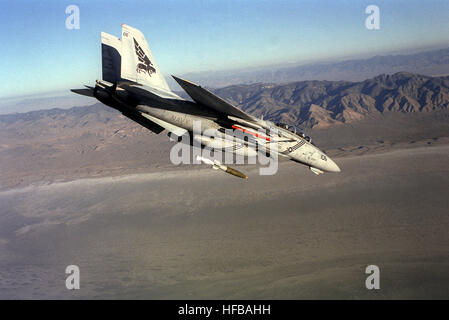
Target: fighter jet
point(133, 84)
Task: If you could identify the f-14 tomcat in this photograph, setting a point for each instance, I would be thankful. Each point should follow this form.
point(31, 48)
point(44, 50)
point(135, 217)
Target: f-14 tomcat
point(133, 84)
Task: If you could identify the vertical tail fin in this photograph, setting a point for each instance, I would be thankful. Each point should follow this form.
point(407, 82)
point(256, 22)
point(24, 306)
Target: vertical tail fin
point(138, 63)
point(110, 57)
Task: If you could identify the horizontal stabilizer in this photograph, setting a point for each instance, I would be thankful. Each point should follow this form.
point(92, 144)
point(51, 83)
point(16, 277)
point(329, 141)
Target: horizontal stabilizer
point(84, 92)
point(208, 99)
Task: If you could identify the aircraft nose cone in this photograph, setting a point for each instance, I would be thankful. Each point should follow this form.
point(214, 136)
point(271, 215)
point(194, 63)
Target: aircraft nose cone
point(332, 166)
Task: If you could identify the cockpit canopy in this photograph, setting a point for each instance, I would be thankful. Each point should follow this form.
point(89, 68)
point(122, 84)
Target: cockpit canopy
point(287, 127)
point(294, 130)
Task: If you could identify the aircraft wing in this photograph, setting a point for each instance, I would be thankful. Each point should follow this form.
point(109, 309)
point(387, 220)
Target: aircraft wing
point(208, 99)
point(166, 125)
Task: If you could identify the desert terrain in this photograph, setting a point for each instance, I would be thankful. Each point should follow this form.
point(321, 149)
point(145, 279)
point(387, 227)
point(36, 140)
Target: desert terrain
point(195, 233)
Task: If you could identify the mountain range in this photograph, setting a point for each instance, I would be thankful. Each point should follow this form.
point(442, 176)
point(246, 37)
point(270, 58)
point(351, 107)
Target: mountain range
point(310, 104)
point(306, 104)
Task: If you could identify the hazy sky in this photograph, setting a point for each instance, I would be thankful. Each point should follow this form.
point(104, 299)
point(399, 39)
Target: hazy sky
point(38, 53)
